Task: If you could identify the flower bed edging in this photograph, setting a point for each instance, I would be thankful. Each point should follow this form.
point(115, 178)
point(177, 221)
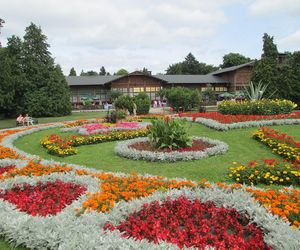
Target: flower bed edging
point(123, 149)
point(224, 127)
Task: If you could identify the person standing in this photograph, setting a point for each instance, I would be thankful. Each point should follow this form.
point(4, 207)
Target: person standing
point(134, 109)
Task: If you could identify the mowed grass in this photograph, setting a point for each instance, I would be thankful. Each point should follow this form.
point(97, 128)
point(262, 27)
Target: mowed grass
point(10, 123)
point(242, 148)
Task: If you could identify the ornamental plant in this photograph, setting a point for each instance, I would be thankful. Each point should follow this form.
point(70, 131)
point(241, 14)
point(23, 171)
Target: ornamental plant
point(280, 143)
point(192, 224)
point(169, 133)
point(259, 107)
point(269, 171)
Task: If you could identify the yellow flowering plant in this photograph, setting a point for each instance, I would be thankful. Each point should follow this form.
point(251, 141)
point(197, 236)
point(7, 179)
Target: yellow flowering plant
point(268, 171)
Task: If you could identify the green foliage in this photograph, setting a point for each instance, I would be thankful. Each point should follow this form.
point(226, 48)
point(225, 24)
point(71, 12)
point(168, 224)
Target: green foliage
point(255, 92)
point(122, 72)
point(208, 94)
point(190, 66)
point(261, 107)
point(169, 133)
point(72, 72)
point(37, 85)
point(102, 71)
point(87, 103)
point(115, 115)
point(143, 103)
point(233, 59)
point(113, 95)
point(124, 102)
point(183, 98)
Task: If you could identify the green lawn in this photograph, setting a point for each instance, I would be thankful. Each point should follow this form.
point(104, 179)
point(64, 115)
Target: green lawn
point(9, 123)
point(242, 148)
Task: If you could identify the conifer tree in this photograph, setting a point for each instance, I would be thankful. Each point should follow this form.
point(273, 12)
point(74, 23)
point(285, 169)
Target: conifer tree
point(72, 72)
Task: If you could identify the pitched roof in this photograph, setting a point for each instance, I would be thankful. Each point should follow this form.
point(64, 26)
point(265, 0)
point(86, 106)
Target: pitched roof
point(90, 80)
point(177, 79)
point(233, 68)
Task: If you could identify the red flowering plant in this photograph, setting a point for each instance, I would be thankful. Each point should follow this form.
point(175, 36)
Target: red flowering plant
point(43, 199)
point(225, 119)
point(192, 224)
point(7, 169)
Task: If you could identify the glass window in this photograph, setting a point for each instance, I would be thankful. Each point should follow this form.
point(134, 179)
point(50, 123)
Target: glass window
point(153, 89)
point(124, 90)
point(148, 89)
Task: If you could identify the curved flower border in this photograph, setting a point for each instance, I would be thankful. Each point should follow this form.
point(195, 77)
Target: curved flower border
point(224, 127)
point(122, 149)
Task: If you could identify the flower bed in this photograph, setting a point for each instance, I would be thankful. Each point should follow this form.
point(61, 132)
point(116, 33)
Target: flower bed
point(267, 172)
point(98, 128)
point(43, 199)
point(281, 144)
point(81, 224)
point(192, 224)
point(257, 107)
point(64, 147)
point(221, 122)
point(125, 149)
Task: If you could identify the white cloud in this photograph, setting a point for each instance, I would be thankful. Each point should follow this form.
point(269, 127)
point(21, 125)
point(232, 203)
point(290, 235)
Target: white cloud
point(291, 41)
point(91, 33)
point(263, 7)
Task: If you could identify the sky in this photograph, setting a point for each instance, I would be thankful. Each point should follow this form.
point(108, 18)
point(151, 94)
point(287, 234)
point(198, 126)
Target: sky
point(132, 34)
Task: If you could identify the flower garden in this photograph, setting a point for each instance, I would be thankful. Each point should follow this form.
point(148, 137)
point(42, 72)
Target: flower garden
point(214, 182)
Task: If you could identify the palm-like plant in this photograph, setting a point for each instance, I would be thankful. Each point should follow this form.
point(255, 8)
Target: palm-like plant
point(255, 92)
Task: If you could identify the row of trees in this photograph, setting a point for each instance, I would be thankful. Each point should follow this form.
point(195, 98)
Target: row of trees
point(103, 72)
point(31, 82)
point(282, 77)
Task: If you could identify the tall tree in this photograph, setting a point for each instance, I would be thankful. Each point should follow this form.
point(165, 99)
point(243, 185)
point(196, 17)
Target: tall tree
point(233, 59)
point(266, 70)
point(102, 71)
point(47, 92)
point(72, 72)
point(7, 90)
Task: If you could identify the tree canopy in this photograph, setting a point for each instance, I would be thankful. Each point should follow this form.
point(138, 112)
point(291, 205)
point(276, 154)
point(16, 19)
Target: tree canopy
point(72, 72)
point(122, 72)
point(31, 78)
point(190, 66)
point(233, 59)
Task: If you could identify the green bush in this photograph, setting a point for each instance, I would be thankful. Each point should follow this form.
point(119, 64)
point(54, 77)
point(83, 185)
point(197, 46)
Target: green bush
point(143, 103)
point(169, 133)
point(124, 102)
point(260, 107)
point(115, 115)
point(183, 98)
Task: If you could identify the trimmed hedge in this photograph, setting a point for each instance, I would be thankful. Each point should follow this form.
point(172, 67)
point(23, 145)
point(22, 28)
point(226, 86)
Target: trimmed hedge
point(260, 107)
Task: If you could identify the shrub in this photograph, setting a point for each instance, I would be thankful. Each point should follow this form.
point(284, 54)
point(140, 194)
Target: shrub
point(260, 107)
point(184, 98)
point(115, 115)
point(169, 133)
point(143, 102)
point(124, 102)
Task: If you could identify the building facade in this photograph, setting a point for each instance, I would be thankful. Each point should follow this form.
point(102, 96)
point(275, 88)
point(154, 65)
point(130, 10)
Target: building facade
point(97, 88)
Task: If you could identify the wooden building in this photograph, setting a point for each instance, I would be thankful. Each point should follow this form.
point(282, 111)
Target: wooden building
point(96, 88)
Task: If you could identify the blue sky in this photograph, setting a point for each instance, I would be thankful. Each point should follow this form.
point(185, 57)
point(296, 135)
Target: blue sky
point(153, 33)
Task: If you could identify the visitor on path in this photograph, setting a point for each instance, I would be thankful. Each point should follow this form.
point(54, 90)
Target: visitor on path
point(134, 109)
point(20, 119)
point(28, 120)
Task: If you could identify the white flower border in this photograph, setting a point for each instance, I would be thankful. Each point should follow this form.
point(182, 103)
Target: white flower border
point(122, 149)
point(66, 231)
point(224, 127)
point(83, 131)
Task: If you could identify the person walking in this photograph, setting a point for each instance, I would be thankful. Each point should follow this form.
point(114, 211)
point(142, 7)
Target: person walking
point(134, 109)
